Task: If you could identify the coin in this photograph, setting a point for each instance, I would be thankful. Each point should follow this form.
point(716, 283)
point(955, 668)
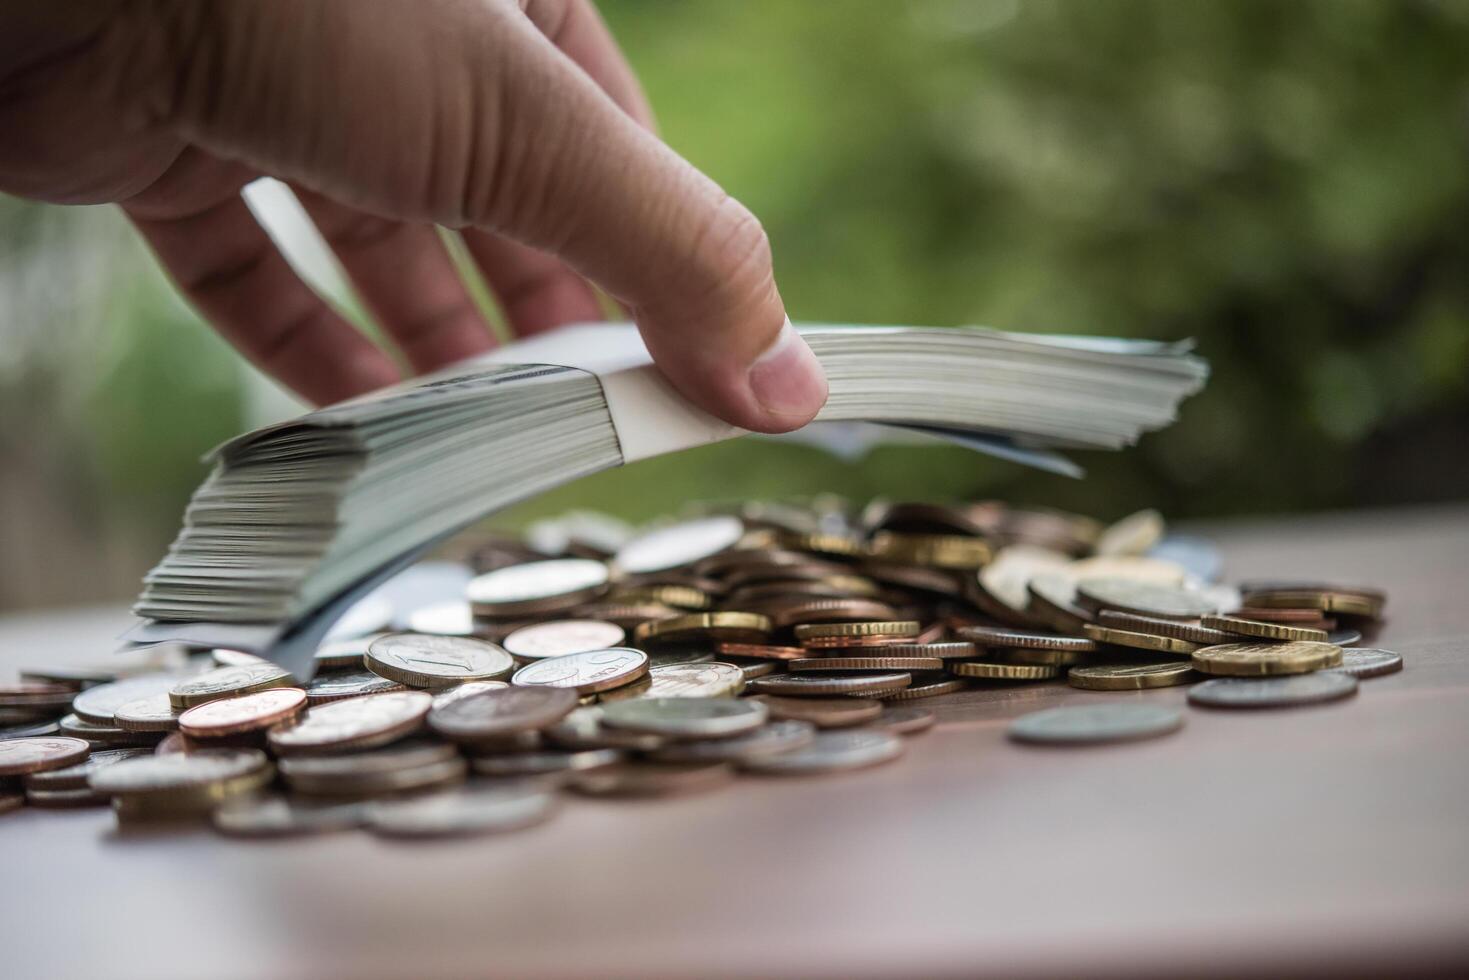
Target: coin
point(41, 695)
point(840, 712)
point(653, 778)
point(829, 751)
point(905, 720)
point(544, 763)
point(561, 637)
point(75, 776)
point(188, 780)
point(829, 664)
point(1266, 658)
point(583, 729)
point(1304, 617)
point(537, 586)
point(677, 596)
point(752, 669)
point(64, 798)
point(869, 685)
point(1347, 604)
point(460, 814)
point(227, 682)
point(1004, 672)
point(1274, 692)
point(356, 723)
point(1001, 585)
point(248, 713)
point(11, 801)
point(737, 627)
point(503, 712)
point(1141, 641)
point(420, 660)
point(914, 692)
point(587, 672)
point(98, 704)
point(1262, 630)
point(31, 730)
point(275, 816)
point(379, 782)
point(998, 636)
point(19, 756)
point(1095, 723)
point(698, 680)
point(1179, 629)
point(1052, 600)
point(930, 550)
point(410, 754)
point(761, 651)
point(684, 718)
point(1368, 662)
point(680, 544)
point(831, 610)
point(771, 739)
point(71, 725)
point(154, 713)
point(887, 628)
point(1344, 638)
point(944, 650)
point(1052, 658)
point(340, 685)
point(1143, 598)
point(1130, 677)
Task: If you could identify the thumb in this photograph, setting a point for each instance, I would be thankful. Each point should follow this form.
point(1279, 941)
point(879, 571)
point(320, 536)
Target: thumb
point(466, 114)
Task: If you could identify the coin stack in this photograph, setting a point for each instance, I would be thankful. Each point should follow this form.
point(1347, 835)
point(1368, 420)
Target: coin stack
point(770, 639)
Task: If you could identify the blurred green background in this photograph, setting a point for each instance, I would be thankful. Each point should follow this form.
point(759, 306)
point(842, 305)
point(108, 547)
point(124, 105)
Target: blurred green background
point(1286, 182)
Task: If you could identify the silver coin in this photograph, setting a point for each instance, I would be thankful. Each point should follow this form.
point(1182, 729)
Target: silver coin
point(1144, 598)
point(679, 544)
point(1368, 662)
point(504, 712)
point(339, 685)
point(583, 729)
point(675, 657)
point(810, 684)
point(159, 773)
point(695, 680)
point(364, 784)
point(467, 689)
point(1344, 637)
point(520, 587)
point(30, 731)
point(686, 718)
point(98, 704)
point(903, 720)
point(75, 777)
point(544, 763)
point(405, 755)
point(357, 723)
point(1095, 723)
point(832, 751)
point(461, 814)
point(225, 682)
point(771, 739)
point(423, 660)
point(154, 713)
point(563, 636)
point(274, 816)
point(587, 672)
point(1274, 692)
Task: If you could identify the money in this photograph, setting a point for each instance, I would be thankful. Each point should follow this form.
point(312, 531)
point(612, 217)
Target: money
point(831, 751)
point(460, 814)
point(247, 713)
point(560, 637)
point(994, 636)
point(1368, 662)
point(905, 720)
point(258, 816)
point(1263, 630)
point(1266, 658)
point(194, 781)
point(499, 713)
point(538, 586)
point(587, 672)
point(1143, 598)
point(863, 664)
point(1133, 677)
point(653, 778)
point(420, 660)
point(1004, 672)
point(686, 718)
point(1095, 723)
point(356, 723)
point(227, 682)
point(914, 692)
point(823, 712)
point(338, 685)
point(1274, 692)
point(1140, 641)
point(774, 738)
point(871, 685)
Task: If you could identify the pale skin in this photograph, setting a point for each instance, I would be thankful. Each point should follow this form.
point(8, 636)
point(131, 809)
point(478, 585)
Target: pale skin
point(519, 123)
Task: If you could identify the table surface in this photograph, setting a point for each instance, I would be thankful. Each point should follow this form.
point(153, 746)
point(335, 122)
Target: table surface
point(1332, 839)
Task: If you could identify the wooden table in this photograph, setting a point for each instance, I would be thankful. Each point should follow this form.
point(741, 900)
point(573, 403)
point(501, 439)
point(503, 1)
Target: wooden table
point(1323, 840)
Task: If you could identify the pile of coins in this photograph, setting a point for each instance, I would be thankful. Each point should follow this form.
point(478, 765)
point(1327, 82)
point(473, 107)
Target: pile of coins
point(773, 640)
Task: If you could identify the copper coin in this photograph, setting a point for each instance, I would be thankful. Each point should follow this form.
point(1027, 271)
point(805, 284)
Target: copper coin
point(249, 713)
point(915, 692)
point(561, 637)
point(1131, 677)
point(904, 720)
point(822, 712)
point(19, 756)
point(870, 685)
point(761, 651)
point(502, 712)
point(356, 723)
point(1091, 724)
point(998, 636)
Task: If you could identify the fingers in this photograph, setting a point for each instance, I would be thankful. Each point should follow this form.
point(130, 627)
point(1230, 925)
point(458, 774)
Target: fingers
point(405, 276)
point(465, 114)
point(537, 291)
point(224, 262)
point(577, 29)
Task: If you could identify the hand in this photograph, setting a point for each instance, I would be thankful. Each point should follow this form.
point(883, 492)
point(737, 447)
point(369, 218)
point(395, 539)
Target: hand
point(519, 123)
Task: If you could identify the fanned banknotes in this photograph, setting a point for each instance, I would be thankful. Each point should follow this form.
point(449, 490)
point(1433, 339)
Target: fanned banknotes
point(299, 519)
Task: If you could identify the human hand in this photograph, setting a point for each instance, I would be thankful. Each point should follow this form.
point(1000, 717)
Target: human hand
point(520, 123)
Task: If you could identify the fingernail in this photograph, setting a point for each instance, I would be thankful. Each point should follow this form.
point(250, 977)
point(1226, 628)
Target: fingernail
point(787, 379)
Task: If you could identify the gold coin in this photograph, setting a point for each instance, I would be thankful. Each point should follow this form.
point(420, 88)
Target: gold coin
point(891, 627)
point(1025, 655)
point(1337, 602)
point(1266, 658)
point(1264, 631)
point(679, 596)
point(228, 682)
point(733, 626)
point(1131, 677)
point(931, 550)
point(1141, 641)
point(1004, 672)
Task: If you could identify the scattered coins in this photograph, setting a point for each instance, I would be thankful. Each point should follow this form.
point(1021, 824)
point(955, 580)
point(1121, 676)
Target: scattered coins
point(499, 713)
point(1274, 692)
point(686, 718)
point(356, 723)
point(1004, 672)
point(1368, 662)
point(1263, 630)
point(228, 682)
point(869, 685)
point(420, 660)
point(1141, 641)
point(832, 751)
point(248, 713)
point(587, 672)
point(19, 756)
point(1090, 724)
point(556, 638)
point(823, 712)
point(1131, 677)
point(1266, 658)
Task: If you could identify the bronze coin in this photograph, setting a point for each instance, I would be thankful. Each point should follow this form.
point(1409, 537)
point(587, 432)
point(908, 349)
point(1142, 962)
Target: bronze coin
point(761, 651)
point(563, 636)
point(870, 685)
point(915, 692)
point(19, 756)
point(1246, 659)
point(248, 713)
point(501, 712)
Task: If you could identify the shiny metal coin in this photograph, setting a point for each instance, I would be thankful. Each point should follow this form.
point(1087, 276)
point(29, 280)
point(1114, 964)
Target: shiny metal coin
point(832, 752)
point(1095, 723)
point(1274, 692)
